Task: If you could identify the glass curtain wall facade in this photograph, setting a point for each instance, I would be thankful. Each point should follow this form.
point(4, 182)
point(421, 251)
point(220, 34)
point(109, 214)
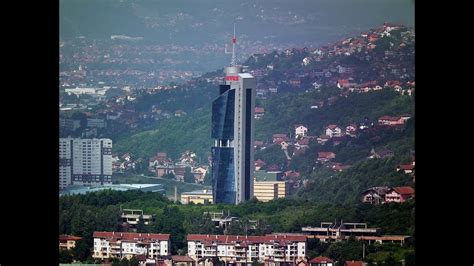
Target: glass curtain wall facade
point(232, 130)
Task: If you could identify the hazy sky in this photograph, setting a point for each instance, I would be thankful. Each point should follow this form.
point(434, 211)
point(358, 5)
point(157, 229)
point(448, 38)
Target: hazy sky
point(191, 21)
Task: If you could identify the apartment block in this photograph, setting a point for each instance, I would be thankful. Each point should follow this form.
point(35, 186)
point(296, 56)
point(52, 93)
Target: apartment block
point(269, 249)
point(109, 245)
point(85, 161)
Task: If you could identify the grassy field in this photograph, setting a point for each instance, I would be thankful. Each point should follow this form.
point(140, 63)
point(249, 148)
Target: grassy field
point(168, 184)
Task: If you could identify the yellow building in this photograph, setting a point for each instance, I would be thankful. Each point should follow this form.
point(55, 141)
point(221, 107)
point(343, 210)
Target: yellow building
point(268, 185)
point(269, 190)
point(199, 196)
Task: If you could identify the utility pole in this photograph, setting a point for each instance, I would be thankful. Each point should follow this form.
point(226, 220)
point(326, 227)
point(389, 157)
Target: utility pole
point(363, 250)
point(175, 193)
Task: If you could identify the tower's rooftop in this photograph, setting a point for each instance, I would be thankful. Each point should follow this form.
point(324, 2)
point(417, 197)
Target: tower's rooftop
point(245, 75)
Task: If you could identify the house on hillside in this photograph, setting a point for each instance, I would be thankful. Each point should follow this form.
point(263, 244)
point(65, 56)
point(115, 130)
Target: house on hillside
point(300, 131)
point(321, 261)
point(259, 112)
point(278, 138)
point(257, 144)
point(375, 195)
point(351, 130)
point(325, 156)
point(399, 194)
point(391, 120)
point(333, 131)
point(322, 139)
point(259, 164)
point(407, 168)
point(302, 144)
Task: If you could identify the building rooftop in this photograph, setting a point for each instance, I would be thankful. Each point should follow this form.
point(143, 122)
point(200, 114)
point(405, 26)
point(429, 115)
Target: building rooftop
point(198, 192)
point(76, 189)
point(268, 175)
point(245, 75)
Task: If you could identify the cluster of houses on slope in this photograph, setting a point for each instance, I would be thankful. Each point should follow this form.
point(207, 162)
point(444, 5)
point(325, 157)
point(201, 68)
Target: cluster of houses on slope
point(385, 194)
point(337, 135)
point(347, 85)
point(162, 165)
point(123, 163)
point(397, 74)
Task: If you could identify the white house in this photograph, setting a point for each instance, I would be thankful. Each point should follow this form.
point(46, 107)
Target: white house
point(333, 131)
point(300, 130)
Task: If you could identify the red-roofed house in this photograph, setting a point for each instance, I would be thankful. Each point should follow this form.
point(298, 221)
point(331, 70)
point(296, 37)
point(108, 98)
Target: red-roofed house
point(321, 261)
point(373, 37)
point(278, 138)
point(391, 120)
point(326, 156)
point(108, 245)
point(259, 164)
point(257, 143)
point(355, 263)
point(68, 241)
point(333, 131)
point(342, 83)
point(182, 261)
point(259, 112)
point(399, 194)
point(407, 168)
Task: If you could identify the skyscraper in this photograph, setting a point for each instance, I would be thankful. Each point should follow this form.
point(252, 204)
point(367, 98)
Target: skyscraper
point(233, 129)
point(85, 161)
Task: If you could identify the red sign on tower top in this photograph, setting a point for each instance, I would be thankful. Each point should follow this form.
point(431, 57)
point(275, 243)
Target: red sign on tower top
point(234, 40)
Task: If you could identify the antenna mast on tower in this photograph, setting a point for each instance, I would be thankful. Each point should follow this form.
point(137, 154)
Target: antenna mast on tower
point(234, 41)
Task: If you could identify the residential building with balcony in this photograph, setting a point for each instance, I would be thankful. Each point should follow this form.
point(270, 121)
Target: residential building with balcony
point(109, 245)
point(269, 249)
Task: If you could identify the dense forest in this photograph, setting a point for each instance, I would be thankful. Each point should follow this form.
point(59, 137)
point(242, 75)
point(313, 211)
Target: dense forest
point(81, 215)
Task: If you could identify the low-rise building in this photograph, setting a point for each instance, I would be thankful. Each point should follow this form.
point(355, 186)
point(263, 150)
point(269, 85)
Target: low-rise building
point(269, 185)
point(268, 249)
point(300, 130)
point(406, 168)
point(68, 241)
point(321, 261)
point(197, 197)
point(341, 231)
point(326, 156)
point(375, 195)
point(333, 131)
point(259, 112)
point(109, 245)
point(133, 216)
point(399, 194)
point(278, 138)
point(391, 120)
